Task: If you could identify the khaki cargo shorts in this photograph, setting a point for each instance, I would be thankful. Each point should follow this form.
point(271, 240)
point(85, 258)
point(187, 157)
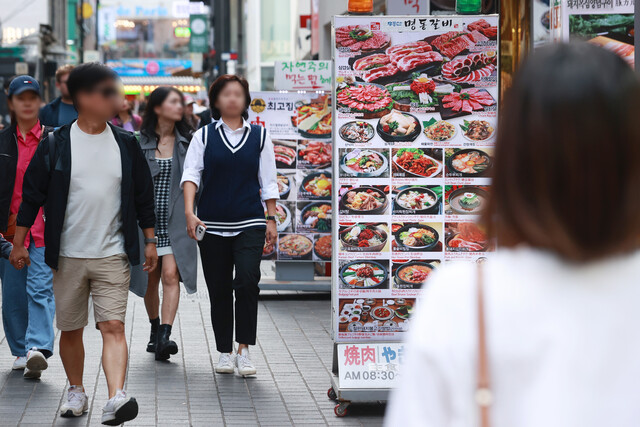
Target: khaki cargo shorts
point(106, 279)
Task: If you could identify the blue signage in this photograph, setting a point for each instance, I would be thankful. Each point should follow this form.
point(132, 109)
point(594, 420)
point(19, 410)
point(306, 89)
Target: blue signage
point(148, 67)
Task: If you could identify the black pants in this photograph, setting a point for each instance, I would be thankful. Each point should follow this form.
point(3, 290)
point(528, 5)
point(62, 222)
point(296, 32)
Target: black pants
point(219, 257)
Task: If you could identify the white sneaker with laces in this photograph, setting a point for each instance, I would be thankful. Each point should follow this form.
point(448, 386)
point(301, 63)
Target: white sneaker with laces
point(77, 403)
point(36, 360)
point(244, 364)
point(20, 363)
point(119, 409)
point(225, 363)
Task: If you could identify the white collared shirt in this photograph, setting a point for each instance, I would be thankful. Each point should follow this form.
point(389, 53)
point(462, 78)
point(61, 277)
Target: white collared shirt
point(267, 174)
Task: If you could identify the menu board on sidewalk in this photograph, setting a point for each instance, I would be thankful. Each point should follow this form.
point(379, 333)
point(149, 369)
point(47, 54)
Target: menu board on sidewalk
point(416, 102)
point(606, 23)
point(300, 127)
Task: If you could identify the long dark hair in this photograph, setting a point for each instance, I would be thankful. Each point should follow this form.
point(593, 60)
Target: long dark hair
point(150, 119)
point(566, 175)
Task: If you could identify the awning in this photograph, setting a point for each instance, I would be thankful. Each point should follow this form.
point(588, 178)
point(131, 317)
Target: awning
point(147, 84)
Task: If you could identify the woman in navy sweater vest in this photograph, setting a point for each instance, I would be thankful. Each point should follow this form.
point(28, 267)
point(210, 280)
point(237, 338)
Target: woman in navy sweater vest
point(231, 164)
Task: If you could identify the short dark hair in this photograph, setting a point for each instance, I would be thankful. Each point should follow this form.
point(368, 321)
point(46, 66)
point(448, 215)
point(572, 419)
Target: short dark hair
point(565, 177)
point(219, 84)
point(86, 77)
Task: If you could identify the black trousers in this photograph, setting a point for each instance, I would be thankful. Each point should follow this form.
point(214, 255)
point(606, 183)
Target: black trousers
point(219, 257)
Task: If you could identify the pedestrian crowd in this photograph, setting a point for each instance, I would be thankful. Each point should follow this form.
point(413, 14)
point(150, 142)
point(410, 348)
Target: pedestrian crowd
point(96, 200)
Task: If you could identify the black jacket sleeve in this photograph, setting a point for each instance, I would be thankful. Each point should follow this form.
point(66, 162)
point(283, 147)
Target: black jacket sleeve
point(34, 187)
point(143, 189)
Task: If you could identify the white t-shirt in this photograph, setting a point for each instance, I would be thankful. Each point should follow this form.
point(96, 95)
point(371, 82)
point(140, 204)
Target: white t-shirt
point(563, 345)
point(92, 225)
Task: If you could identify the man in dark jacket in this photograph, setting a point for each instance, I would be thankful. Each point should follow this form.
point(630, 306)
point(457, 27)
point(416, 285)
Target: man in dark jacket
point(94, 183)
point(61, 110)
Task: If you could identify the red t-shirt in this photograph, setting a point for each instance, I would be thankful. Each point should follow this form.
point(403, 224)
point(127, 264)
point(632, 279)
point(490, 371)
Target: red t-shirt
point(27, 145)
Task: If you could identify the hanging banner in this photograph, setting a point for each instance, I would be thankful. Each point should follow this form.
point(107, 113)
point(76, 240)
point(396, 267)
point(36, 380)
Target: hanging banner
point(416, 102)
point(199, 34)
point(606, 23)
point(300, 127)
point(302, 75)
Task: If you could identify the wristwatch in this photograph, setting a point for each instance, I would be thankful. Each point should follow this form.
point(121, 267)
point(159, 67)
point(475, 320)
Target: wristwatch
point(271, 218)
point(153, 240)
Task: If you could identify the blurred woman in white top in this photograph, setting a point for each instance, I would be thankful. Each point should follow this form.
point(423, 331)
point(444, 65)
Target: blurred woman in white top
point(562, 294)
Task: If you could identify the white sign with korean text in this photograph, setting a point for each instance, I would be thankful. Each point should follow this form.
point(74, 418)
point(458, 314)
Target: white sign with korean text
point(372, 365)
point(302, 75)
point(407, 7)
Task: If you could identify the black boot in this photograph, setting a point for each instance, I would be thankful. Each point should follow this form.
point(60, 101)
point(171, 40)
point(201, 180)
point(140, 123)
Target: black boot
point(165, 347)
point(153, 337)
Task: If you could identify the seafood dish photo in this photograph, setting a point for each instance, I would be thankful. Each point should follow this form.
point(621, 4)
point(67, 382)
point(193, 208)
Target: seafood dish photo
point(398, 126)
point(285, 155)
point(439, 130)
point(371, 100)
point(471, 68)
point(322, 247)
point(465, 102)
point(359, 38)
point(417, 237)
point(317, 186)
point(469, 162)
point(468, 200)
point(364, 163)
point(415, 200)
point(364, 200)
point(477, 130)
point(294, 246)
point(413, 273)
point(313, 118)
point(356, 132)
point(363, 274)
point(363, 238)
point(415, 162)
point(316, 154)
point(466, 237)
point(317, 216)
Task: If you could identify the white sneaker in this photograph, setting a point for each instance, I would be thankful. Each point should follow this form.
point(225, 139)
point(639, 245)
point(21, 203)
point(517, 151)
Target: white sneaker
point(31, 374)
point(76, 404)
point(244, 364)
point(119, 409)
point(36, 360)
point(20, 363)
point(225, 363)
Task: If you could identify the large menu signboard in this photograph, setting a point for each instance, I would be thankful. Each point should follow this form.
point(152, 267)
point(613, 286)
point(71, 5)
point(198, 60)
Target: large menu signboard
point(300, 127)
point(416, 101)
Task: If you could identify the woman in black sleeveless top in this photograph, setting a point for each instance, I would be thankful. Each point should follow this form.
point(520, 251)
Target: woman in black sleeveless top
point(231, 164)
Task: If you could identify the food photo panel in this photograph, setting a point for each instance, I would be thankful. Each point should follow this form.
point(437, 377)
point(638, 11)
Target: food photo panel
point(322, 247)
point(468, 164)
point(314, 185)
point(374, 314)
point(364, 163)
point(314, 154)
point(285, 222)
point(417, 237)
point(364, 200)
point(285, 151)
point(463, 238)
point(314, 216)
point(287, 184)
point(465, 199)
point(417, 162)
point(295, 247)
point(364, 238)
point(417, 200)
point(364, 274)
point(411, 274)
point(313, 118)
